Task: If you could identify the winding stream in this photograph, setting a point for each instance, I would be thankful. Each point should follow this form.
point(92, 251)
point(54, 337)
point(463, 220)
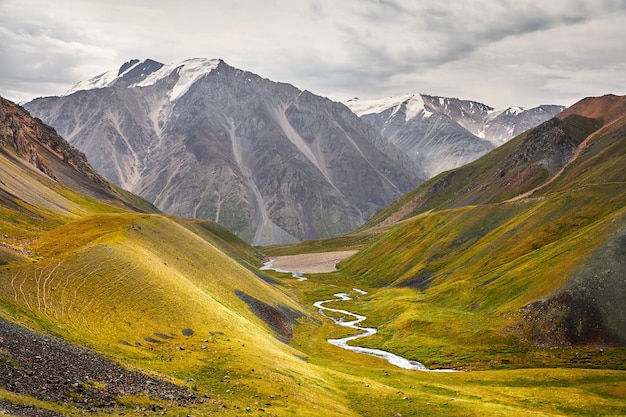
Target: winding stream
point(366, 331)
point(393, 359)
point(267, 266)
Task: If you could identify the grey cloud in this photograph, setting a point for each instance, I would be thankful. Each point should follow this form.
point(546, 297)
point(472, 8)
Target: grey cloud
point(434, 34)
point(317, 11)
point(364, 48)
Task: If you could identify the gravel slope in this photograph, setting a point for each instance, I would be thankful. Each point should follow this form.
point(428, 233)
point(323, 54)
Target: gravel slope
point(49, 369)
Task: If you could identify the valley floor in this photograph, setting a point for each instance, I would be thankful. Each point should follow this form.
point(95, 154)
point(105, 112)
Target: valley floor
point(219, 374)
point(311, 263)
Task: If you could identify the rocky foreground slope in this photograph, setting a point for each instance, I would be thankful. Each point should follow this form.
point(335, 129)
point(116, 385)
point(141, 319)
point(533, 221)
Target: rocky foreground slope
point(49, 369)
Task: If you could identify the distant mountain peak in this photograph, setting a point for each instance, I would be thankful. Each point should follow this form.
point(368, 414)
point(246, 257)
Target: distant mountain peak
point(442, 133)
point(143, 73)
point(413, 105)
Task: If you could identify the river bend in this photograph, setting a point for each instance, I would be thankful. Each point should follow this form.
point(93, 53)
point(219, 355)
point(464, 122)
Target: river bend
point(392, 358)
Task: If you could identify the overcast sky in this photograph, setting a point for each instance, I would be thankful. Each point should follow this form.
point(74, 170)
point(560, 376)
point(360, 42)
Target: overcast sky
point(498, 52)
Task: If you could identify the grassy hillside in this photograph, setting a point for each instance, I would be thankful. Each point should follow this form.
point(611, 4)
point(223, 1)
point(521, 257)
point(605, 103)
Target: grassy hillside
point(499, 288)
point(159, 294)
point(477, 271)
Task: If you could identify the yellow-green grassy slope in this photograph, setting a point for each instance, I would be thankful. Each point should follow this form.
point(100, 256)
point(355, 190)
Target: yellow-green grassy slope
point(467, 273)
point(152, 292)
point(457, 286)
point(129, 285)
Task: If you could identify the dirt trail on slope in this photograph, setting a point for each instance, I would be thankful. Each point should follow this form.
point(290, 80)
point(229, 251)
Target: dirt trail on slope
point(311, 263)
point(577, 153)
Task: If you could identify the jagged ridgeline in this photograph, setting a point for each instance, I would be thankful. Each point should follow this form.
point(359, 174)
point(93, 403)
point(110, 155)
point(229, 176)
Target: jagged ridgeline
point(202, 139)
point(441, 133)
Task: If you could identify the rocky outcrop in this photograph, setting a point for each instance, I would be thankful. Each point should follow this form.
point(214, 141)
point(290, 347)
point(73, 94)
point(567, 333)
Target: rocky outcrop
point(590, 309)
point(41, 146)
point(550, 145)
point(280, 319)
point(49, 369)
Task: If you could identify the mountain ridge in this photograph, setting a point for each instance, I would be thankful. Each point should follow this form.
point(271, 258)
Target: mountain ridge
point(40, 146)
point(215, 142)
point(442, 133)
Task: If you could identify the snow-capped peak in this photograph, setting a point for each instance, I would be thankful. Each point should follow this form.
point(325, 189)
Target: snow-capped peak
point(189, 71)
point(492, 114)
point(99, 81)
point(413, 105)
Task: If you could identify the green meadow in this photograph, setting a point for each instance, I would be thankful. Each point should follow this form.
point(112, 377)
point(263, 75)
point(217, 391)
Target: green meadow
point(448, 283)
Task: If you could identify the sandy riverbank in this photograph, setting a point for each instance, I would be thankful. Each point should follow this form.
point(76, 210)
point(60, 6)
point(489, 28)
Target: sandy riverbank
point(311, 263)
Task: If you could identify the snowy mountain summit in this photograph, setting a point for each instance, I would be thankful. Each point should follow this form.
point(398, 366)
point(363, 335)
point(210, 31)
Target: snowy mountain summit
point(136, 73)
point(442, 133)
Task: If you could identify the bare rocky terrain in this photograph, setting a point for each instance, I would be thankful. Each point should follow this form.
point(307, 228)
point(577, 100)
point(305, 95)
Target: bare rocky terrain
point(49, 369)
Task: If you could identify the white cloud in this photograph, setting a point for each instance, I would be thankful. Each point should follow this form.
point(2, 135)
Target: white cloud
point(505, 52)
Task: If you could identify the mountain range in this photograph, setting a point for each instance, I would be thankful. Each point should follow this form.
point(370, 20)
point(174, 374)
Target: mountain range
point(511, 265)
point(442, 133)
point(202, 139)
point(272, 163)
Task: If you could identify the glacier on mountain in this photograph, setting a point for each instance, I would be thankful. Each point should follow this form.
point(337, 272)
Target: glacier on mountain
point(189, 71)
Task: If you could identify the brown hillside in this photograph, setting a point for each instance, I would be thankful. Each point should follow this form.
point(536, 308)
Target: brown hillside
point(608, 108)
point(28, 139)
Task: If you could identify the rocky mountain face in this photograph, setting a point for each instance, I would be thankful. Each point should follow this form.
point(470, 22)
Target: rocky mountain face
point(25, 139)
point(200, 138)
point(444, 133)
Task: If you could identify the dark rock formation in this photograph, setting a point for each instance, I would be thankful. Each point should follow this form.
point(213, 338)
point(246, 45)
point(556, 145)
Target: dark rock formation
point(49, 369)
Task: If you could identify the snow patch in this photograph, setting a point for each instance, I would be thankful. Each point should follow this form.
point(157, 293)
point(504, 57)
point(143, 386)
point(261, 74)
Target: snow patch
point(492, 114)
point(414, 106)
point(363, 107)
point(515, 110)
point(189, 71)
point(100, 81)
